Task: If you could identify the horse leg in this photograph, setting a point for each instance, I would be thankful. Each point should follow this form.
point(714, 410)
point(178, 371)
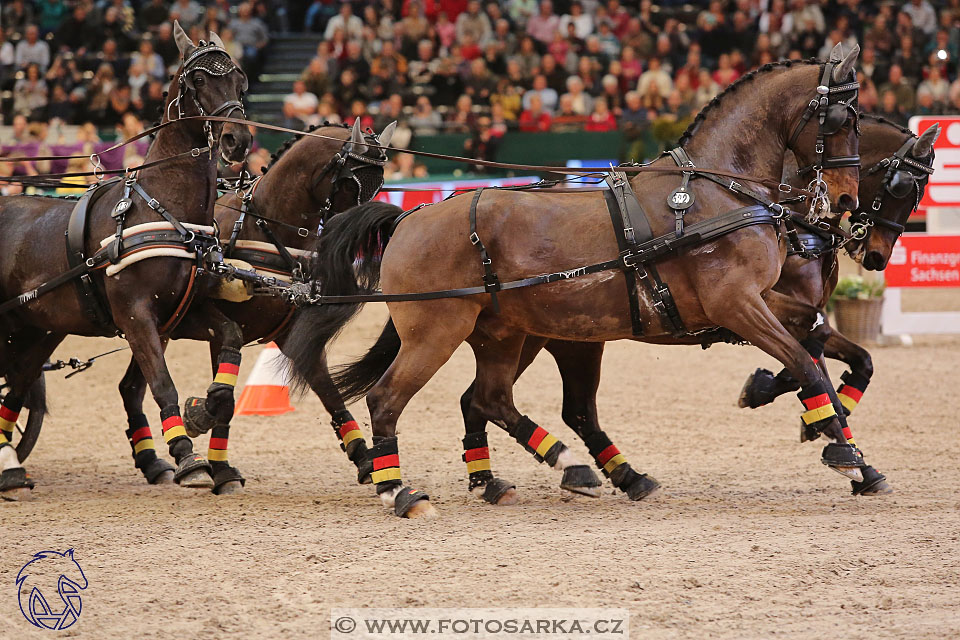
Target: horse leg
point(493, 399)
point(344, 425)
point(476, 454)
point(133, 387)
point(425, 345)
point(753, 320)
point(579, 364)
point(214, 412)
point(140, 329)
point(27, 352)
point(855, 381)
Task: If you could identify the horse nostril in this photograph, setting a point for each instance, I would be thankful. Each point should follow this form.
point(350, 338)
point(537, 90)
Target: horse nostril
point(873, 261)
point(228, 140)
point(846, 202)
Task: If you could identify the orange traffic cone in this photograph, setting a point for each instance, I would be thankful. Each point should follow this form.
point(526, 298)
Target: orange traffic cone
point(266, 392)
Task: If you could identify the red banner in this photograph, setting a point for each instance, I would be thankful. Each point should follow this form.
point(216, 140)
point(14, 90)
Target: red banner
point(921, 260)
point(943, 188)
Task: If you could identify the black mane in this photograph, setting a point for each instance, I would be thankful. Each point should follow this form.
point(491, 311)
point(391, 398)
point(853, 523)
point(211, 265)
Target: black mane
point(882, 120)
point(289, 142)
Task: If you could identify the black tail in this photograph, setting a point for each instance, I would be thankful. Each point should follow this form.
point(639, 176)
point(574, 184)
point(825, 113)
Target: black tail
point(356, 378)
point(362, 231)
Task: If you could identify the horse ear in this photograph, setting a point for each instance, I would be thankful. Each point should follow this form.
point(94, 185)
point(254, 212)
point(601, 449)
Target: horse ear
point(184, 43)
point(845, 67)
point(356, 144)
point(387, 134)
point(924, 145)
point(836, 54)
point(215, 39)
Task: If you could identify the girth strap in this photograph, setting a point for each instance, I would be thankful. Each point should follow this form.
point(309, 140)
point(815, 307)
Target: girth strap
point(94, 307)
point(491, 282)
point(621, 223)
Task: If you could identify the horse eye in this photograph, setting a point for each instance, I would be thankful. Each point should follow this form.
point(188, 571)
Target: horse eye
point(198, 79)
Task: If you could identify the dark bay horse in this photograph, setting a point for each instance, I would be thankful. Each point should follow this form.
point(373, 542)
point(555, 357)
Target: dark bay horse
point(143, 298)
point(309, 180)
point(808, 279)
point(725, 282)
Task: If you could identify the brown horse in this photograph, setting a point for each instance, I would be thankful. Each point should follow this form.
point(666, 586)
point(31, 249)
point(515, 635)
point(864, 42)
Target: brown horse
point(139, 299)
point(809, 279)
point(724, 282)
point(309, 180)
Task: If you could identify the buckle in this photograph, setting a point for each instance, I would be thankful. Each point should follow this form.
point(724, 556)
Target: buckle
point(818, 149)
point(153, 203)
point(302, 232)
point(474, 239)
point(734, 185)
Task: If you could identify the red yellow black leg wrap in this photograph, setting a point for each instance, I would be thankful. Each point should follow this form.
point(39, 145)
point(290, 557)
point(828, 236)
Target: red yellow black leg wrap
point(476, 454)
point(172, 425)
point(851, 391)
point(537, 440)
point(9, 413)
point(819, 409)
point(386, 463)
point(140, 435)
point(346, 428)
point(604, 452)
point(227, 370)
point(219, 439)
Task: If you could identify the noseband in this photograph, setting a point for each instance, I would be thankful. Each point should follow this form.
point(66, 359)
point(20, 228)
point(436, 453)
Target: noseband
point(831, 116)
point(899, 181)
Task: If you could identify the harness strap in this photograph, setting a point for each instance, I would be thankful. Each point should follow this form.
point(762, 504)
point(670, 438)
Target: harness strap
point(491, 282)
point(698, 232)
point(156, 206)
point(94, 307)
point(292, 263)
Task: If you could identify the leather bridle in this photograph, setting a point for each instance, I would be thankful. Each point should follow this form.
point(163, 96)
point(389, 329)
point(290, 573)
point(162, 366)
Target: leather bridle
point(903, 177)
point(216, 61)
point(831, 114)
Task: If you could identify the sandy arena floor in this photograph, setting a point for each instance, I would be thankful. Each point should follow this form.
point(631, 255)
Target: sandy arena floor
point(750, 537)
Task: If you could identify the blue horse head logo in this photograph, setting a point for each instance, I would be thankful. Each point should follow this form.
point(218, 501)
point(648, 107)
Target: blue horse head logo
point(49, 573)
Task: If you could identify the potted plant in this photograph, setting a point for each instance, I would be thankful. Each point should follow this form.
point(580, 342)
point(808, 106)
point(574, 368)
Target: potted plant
point(857, 304)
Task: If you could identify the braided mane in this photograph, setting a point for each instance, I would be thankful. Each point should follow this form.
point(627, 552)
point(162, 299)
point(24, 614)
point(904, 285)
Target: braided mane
point(289, 142)
point(883, 120)
point(742, 80)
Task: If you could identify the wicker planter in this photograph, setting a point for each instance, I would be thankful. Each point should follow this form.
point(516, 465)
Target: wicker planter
point(859, 320)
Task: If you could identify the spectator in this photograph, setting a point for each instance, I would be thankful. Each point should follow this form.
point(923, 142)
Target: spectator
point(901, 88)
point(612, 93)
point(601, 119)
point(655, 75)
point(462, 119)
point(61, 107)
point(446, 30)
point(150, 106)
point(137, 79)
point(98, 97)
point(922, 15)
point(150, 61)
point(30, 94)
point(528, 57)
point(316, 77)
point(479, 84)
point(327, 112)
point(582, 22)
point(937, 88)
point(8, 58)
point(548, 96)
point(725, 75)
point(567, 118)
point(351, 25)
point(534, 117)
point(166, 46)
point(31, 50)
point(301, 104)
point(251, 34)
point(153, 15)
point(580, 101)
point(483, 145)
point(473, 23)
point(17, 15)
point(521, 11)
point(890, 109)
point(707, 89)
point(425, 121)
point(543, 25)
point(186, 12)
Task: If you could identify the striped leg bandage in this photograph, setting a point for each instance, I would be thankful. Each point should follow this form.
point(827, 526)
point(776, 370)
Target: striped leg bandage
point(9, 413)
point(476, 454)
point(386, 463)
point(537, 440)
point(851, 391)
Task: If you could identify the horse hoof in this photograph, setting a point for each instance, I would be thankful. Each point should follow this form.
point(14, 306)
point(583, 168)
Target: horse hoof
point(496, 491)
point(196, 419)
point(165, 477)
point(509, 497)
point(756, 390)
point(421, 509)
point(20, 494)
point(582, 480)
point(229, 488)
point(874, 483)
point(199, 479)
point(643, 487)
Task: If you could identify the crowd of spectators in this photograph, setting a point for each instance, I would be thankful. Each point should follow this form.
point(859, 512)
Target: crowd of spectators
point(481, 67)
point(98, 61)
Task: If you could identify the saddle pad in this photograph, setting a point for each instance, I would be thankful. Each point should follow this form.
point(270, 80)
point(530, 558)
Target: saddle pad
point(152, 252)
